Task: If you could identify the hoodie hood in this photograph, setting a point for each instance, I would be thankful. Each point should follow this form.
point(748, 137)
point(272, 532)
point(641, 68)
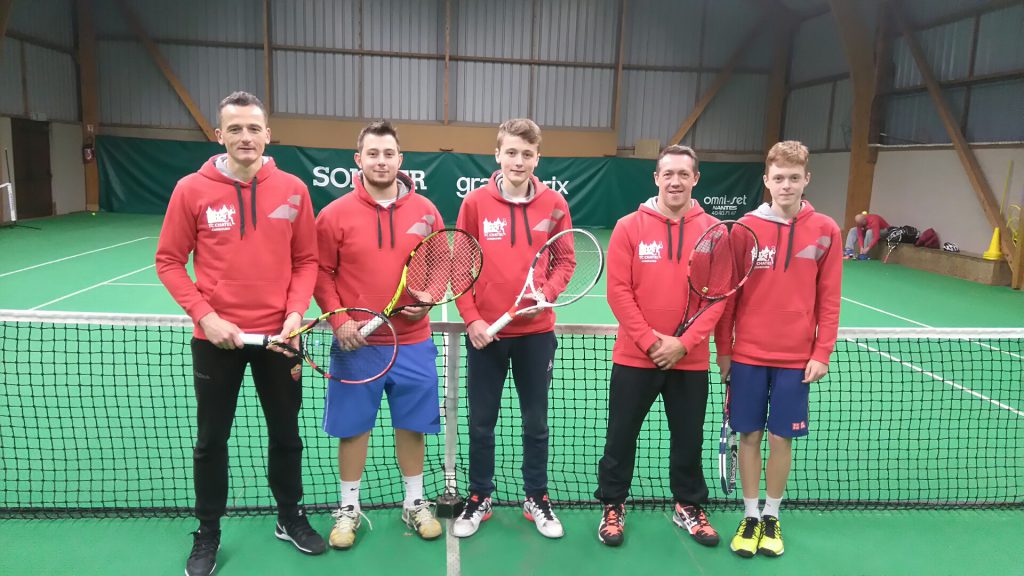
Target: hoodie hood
point(215, 170)
point(537, 188)
point(650, 209)
point(765, 212)
point(405, 191)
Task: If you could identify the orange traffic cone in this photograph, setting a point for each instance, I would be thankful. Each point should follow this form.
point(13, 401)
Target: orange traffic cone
point(993, 252)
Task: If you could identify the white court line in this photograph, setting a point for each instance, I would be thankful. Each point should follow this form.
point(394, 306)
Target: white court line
point(921, 324)
point(134, 284)
point(76, 255)
point(939, 378)
point(77, 292)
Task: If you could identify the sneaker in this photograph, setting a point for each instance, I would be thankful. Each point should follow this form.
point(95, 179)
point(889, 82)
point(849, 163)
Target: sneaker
point(203, 559)
point(863, 257)
point(611, 531)
point(346, 524)
point(747, 538)
point(296, 529)
point(771, 541)
point(478, 509)
point(421, 519)
point(694, 520)
point(848, 254)
point(539, 511)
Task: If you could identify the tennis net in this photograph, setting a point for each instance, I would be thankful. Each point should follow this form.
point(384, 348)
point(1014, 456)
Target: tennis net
point(97, 417)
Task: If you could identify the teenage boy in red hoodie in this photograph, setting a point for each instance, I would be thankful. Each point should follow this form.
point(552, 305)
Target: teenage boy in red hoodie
point(254, 255)
point(364, 239)
point(511, 216)
point(776, 336)
point(648, 265)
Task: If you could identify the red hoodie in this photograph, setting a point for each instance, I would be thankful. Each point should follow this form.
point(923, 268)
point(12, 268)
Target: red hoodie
point(253, 247)
point(788, 310)
point(363, 248)
point(648, 266)
point(510, 234)
point(874, 223)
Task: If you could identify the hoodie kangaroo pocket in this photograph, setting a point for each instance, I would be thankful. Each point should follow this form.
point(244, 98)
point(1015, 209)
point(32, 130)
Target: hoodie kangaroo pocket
point(787, 332)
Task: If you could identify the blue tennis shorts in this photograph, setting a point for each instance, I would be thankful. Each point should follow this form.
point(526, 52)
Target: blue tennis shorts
point(411, 385)
point(776, 397)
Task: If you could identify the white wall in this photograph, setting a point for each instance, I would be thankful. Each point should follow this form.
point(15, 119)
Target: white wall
point(829, 177)
point(929, 189)
point(68, 181)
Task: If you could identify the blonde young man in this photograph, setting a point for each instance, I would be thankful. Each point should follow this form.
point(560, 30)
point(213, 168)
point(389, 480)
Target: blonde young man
point(511, 216)
point(781, 328)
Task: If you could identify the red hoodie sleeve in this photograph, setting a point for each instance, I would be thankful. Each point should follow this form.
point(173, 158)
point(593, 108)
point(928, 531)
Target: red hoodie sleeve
point(621, 297)
point(467, 221)
point(826, 308)
point(328, 238)
point(304, 258)
point(177, 241)
point(875, 226)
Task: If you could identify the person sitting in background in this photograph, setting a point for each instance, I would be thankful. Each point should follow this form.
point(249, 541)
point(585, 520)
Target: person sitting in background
point(868, 229)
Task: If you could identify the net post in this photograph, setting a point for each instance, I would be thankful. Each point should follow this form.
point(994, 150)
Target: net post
point(449, 503)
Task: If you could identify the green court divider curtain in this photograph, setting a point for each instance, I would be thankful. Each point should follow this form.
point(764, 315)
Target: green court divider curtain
point(137, 175)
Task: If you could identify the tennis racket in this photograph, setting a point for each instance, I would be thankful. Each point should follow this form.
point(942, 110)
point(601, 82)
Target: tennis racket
point(565, 268)
point(728, 450)
point(315, 338)
point(442, 267)
point(714, 273)
point(892, 241)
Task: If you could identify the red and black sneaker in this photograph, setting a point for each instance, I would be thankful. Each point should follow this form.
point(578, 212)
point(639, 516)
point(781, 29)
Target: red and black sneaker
point(692, 518)
point(611, 531)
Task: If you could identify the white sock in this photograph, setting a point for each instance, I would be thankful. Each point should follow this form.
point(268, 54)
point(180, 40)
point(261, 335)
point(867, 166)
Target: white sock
point(750, 508)
point(771, 507)
point(413, 489)
point(350, 494)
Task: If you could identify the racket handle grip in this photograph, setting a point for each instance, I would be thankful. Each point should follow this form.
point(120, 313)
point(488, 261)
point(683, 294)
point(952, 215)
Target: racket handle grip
point(500, 323)
point(371, 326)
point(255, 339)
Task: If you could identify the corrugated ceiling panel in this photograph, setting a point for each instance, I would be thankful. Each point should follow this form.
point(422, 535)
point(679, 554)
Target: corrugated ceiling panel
point(11, 100)
point(52, 84)
point(401, 88)
point(1001, 41)
point(654, 105)
point(319, 23)
point(730, 23)
point(947, 49)
point(912, 119)
point(49, 20)
point(209, 74)
point(488, 93)
point(817, 52)
point(316, 84)
point(807, 115)
point(133, 91)
point(664, 32)
point(404, 26)
point(842, 109)
point(223, 20)
point(997, 112)
point(474, 31)
point(734, 120)
point(578, 30)
point(573, 97)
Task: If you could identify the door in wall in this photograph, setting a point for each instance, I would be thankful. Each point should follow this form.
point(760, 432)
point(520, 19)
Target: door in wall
point(32, 185)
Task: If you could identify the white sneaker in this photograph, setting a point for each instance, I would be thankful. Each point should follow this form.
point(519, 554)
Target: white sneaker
point(477, 510)
point(539, 510)
point(346, 523)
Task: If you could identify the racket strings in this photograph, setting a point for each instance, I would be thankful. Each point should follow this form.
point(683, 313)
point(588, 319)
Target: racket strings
point(362, 365)
point(712, 269)
point(571, 265)
point(444, 266)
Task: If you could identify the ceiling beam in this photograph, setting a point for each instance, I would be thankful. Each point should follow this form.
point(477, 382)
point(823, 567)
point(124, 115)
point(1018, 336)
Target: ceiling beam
point(979, 183)
point(717, 84)
point(165, 68)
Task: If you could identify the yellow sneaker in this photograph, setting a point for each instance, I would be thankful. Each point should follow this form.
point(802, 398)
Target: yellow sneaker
point(771, 541)
point(346, 524)
point(420, 518)
point(747, 538)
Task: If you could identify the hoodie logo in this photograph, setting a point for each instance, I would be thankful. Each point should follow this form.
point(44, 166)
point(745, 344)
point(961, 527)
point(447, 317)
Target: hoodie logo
point(288, 211)
point(222, 219)
point(765, 258)
point(650, 251)
point(495, 229)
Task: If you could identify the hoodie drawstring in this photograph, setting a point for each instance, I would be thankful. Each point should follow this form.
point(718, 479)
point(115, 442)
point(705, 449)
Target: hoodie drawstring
point(679, 248)
point(526, 224)
point(668, 235)
point(512, 223)
point(241, 209)
point(380, 237)
point(789, 248)
point(252, 195)
point(391, 222)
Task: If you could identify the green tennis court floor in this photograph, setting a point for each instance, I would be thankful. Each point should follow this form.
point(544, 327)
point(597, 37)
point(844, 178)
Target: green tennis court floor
point(104, 263)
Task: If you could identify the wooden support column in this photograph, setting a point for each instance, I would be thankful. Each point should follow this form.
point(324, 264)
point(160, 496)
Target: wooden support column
point(859, 47)
point(5, 16)
point(717, 84)
point(979, 183)
point(781, 49)
point(165, 68)
point(88, 89)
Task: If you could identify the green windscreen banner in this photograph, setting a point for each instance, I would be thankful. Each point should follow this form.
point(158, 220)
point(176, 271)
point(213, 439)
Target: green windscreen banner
point(137, 175)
